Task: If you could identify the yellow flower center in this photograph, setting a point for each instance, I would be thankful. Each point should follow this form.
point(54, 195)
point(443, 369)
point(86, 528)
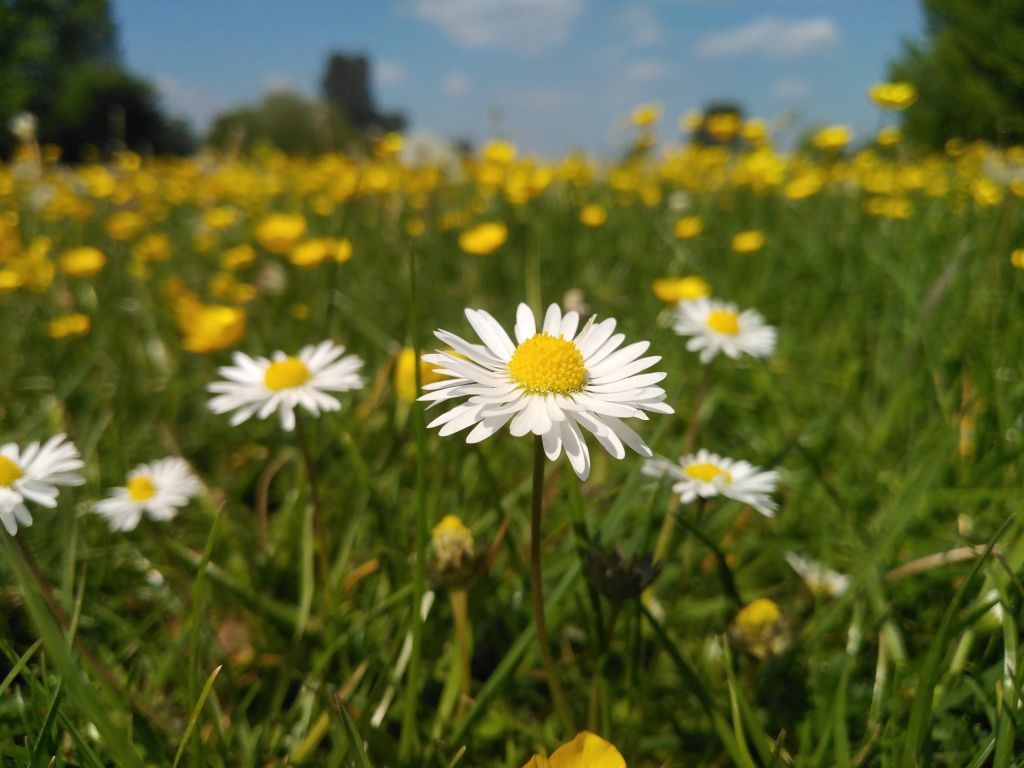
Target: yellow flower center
point(141, 488)
point(724, 321)
point(546, 364)
point(9, 472)
point(707, 473)
point(286, 374)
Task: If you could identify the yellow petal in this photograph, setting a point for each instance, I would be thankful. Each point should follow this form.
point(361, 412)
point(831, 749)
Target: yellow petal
point(538, 761)
point(587, 750)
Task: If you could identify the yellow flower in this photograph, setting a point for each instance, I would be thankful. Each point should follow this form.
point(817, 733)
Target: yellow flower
point(587, 750)
point(754, 131)
point(483, 239)
point(124, 225)
point(645, 115)
point(499, 152)
point(761, 630)
point(893, 95)
point(986, 192)
point(723, 126)
point(691, 122)
point(153, 247)
point(889, 136)
point(390, 144)
point(205, 327)
point(672, 290)
point(313, 253)
point(405, 375)
point(593, 215)
point(10, 280)
point(748, 241)
point(238, 257)
point(219, 218)
point(805, 185)
point(688, 226)
point(85, 261)
point(67, 326)
point(1017, 258)
point(278, 232)
point(832, 138)
point(415, 226)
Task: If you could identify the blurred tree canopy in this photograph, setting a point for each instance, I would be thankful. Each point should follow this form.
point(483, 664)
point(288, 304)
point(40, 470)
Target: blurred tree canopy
point(346, 87)
point(969, 73)
point(59, 60)
point(285, 121)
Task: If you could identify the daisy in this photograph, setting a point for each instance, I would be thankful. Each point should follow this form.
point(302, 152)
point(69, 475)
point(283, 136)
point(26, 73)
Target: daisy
point(707, 475)
point(716, 326)
point(34, 474)
point(552, 382)
point(159, 488)
point(258, 386)
point(819, 578)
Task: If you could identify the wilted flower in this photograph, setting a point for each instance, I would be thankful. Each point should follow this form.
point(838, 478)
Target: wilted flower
point(23, 126)
point(760, 630)
point(33, 474)
point(587, 750)
point(455, 559)
point(619, 579)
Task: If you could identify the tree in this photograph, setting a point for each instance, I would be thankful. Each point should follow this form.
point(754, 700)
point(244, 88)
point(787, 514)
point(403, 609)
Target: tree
point(969, 73)
point(59, 60)
point(346, 87)
point(283, 120)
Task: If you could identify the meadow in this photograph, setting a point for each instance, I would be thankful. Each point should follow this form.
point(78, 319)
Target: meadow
point(312, 603)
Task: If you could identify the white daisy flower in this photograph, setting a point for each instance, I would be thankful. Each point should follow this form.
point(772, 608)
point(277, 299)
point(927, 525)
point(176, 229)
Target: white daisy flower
point(159, 489)
point(716, 326)
point(258, 386)
point(707, 475)
point(33, 474)
point(819, 579)
point(552, 382)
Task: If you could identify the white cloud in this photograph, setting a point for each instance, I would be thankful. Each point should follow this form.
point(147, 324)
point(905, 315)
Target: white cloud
point(791, 89)
point(527, 26)
point(641, 25)
point(645, 71)
point(387, 72)
point(456, 84)
point(772, 37)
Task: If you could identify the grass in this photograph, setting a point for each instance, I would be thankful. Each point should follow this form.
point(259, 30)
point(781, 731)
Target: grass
point(892, 408)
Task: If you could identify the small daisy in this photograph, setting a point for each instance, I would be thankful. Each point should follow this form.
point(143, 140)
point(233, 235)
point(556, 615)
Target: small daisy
point(716, 326)
point(34, 474)
point(819, 578)
point(551, 382)
point(159, 488)
point(258, 386)
point(706, 475)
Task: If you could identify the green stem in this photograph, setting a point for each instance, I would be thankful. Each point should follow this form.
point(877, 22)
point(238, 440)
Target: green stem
point(464, 643)
point(409, 738)
point(314, 498)
point(537, 588)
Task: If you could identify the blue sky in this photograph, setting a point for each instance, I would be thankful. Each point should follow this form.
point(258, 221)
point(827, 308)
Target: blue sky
point(563, 72)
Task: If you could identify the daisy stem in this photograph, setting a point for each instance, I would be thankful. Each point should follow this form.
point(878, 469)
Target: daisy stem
point(314, 499)
point(463, 641)
point(537, 589)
